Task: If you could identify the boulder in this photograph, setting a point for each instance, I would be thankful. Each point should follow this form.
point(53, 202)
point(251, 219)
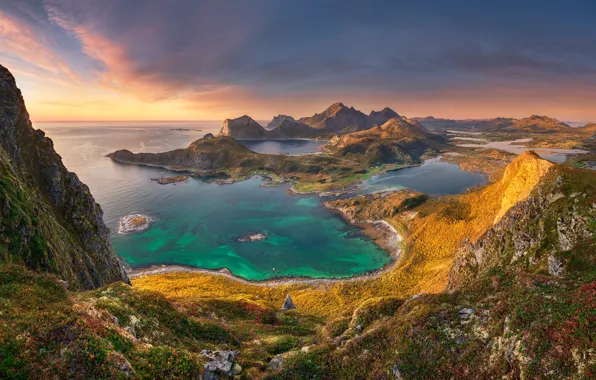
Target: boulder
point(221, 363)
point(288, 304)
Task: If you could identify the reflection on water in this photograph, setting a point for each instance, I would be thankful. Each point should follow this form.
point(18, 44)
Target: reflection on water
point(290, 147)
point(433, 177)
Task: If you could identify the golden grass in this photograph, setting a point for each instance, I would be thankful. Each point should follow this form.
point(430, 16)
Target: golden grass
point(431, 240)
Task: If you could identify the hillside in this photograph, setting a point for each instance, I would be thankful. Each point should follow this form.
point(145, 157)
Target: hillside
point(398, 140)
point(533, 124)
point(49, 219)
point(498, 282)
point(206, 154)
point(532, 278)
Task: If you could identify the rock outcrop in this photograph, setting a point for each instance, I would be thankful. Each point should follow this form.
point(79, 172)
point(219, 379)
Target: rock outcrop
point(381, 117)
point(48, 220)
point(537, 233)
point(243, 128)
point(277, 120)
point(288, 304)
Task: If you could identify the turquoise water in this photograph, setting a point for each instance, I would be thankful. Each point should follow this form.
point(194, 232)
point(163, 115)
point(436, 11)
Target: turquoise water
point(197, 223)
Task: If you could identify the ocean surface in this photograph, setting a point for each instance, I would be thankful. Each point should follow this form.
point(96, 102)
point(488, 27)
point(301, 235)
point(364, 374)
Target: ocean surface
point(197, 223)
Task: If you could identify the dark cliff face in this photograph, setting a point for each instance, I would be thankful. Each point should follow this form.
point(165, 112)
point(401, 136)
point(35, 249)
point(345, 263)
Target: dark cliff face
point(48, 218)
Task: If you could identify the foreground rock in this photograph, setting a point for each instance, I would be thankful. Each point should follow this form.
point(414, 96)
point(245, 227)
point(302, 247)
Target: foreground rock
point(221, 363)
point(135, 223)
point(288, 304)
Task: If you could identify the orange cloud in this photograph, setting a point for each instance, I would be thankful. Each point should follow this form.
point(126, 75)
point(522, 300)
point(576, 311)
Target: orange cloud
point(20, 41)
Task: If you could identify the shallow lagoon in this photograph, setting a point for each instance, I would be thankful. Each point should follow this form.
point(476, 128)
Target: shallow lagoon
point(433, 177)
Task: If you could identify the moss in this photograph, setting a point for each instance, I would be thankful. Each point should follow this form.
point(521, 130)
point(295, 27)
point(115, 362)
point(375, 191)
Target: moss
point(281, 345)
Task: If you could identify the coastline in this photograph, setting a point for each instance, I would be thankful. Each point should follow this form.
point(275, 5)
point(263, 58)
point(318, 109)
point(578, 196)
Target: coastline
point(389, 240)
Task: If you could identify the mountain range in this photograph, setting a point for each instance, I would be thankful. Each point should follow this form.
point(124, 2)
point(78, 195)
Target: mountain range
point(533, 124)
point(336, 119)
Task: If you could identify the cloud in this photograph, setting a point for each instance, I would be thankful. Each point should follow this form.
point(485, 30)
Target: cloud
point(221, 56)
point(23, 43)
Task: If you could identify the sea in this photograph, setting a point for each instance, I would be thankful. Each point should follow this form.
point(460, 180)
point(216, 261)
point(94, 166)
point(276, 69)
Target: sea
point(197, 223)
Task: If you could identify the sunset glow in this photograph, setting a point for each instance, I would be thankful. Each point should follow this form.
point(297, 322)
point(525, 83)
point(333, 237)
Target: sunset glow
point(114, 60)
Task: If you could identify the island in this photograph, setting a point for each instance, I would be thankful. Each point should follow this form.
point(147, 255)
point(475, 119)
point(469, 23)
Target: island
point(135, 223)
point(168, 180)
point(251, 237)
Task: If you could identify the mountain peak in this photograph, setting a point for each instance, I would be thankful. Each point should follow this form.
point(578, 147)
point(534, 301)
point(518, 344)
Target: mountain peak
point(520, 178)
point(277, 120)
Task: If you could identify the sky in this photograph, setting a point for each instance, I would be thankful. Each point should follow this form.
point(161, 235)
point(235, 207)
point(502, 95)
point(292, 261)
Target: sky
point(210, 60)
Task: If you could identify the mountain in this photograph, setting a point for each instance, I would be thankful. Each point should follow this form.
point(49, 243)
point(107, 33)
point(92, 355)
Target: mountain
point(532, 124)
point(243, 128)
point(49, 220)
point(337, 118)
point(293, 129)
point(381, 117)
point(398, 140)
point(277, 120)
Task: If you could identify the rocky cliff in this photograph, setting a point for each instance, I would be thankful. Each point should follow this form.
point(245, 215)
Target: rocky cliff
point(243, 128)
point(337, 118)
point(544, 232)
point(277, 120)
point(381, 117)
point(49, 221)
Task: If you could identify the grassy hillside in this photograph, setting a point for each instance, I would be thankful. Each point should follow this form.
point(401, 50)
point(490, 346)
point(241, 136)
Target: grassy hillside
point(506, 314)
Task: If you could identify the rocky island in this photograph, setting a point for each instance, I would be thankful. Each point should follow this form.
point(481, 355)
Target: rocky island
point(135, 223)
point(169, 180)
point(251, 237)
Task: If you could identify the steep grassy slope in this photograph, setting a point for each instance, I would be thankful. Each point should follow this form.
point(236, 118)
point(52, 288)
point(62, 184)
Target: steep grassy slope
point(48, 219)
point(522, 303)
point(119, 332)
